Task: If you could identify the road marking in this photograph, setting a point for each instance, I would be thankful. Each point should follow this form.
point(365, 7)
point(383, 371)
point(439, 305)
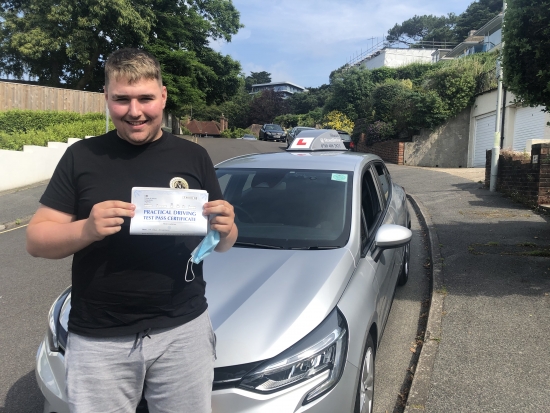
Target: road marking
point(13, 229)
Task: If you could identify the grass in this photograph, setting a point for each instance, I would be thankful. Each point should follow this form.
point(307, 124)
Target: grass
point(537, 253)
point(443, 291)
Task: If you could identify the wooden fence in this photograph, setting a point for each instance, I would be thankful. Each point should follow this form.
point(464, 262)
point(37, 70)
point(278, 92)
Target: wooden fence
point(32, 97)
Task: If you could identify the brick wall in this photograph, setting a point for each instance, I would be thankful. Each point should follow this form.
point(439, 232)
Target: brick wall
point(524, 178)
point(389, 151)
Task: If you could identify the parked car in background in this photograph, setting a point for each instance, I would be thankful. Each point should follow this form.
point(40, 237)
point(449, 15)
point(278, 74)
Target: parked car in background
point(293, 132)
point(272, 132)
point(248, 137)
point(346, 139)
point(300, 303)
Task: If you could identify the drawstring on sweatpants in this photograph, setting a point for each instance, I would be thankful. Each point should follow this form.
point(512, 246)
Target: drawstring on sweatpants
point(145, 333)
point(187, 269)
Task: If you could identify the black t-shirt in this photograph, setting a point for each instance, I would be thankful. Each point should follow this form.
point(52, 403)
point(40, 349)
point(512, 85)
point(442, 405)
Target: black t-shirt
point(125, 284)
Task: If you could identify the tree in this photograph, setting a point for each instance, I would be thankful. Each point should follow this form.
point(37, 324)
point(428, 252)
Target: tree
point(476, 15)
point(312, 98)
point(266, 106)
point(424, 28)
point(526, 53)
point(257, 78)
point(450, 28)
point(237, 109)
point(350, 92)
point(66, 46)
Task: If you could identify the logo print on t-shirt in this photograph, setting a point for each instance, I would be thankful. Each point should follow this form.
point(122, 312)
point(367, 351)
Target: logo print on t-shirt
point(179, 183)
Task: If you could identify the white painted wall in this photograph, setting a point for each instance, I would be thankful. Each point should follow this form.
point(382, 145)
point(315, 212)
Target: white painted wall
point(399, 57)
point(32, 164)
point(484, 105)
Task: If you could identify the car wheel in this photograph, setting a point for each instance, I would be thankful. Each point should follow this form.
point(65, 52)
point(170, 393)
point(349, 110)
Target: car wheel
point(404, 273)
point(365, 388)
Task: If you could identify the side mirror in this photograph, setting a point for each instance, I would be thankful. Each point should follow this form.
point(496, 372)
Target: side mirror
point(390, 236)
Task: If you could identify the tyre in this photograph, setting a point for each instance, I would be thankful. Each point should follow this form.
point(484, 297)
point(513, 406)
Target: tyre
point(404, 273)
point(364, 400)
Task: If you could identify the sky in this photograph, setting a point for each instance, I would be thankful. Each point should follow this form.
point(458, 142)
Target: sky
point(302, 41)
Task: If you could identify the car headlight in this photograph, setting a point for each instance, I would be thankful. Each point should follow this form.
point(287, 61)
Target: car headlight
point(57, 332)
point(322, 350)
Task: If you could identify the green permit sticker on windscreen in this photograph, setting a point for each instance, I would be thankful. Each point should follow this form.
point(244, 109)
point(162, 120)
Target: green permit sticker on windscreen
point(340, 177)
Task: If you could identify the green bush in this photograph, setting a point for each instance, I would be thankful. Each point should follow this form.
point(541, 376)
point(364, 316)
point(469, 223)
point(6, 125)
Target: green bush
point(290, 121)
point(455, 86)
point(54, 133)
point(184, 131)
point(26, 120)
point(235, 133)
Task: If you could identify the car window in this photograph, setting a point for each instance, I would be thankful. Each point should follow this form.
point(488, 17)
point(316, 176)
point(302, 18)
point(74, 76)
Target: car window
point(288, 208)
point(344, 136)
point(383, 179)
point(370, 201)
point(273, 127)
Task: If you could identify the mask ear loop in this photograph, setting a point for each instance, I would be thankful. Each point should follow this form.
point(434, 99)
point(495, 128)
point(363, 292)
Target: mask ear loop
point(187, 269)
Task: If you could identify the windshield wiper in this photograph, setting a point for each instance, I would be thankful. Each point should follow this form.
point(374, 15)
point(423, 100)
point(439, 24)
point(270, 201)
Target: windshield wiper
point(255, 245)
point(314, 248)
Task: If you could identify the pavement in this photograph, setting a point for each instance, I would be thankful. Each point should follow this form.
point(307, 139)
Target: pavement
point(487, 343)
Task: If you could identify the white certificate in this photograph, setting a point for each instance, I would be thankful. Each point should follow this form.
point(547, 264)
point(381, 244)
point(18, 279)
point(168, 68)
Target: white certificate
point(164, 211)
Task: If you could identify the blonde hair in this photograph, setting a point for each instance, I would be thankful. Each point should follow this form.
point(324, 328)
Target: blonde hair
point(132, 65)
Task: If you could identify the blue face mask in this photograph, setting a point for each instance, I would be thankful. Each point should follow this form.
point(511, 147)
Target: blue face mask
point(202, 250)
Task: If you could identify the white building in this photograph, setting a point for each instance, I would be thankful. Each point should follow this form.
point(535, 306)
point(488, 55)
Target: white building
point(286, 88)
point(396, 57)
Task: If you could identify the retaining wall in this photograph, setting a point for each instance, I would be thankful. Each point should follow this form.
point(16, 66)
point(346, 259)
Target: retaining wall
point(32, 164)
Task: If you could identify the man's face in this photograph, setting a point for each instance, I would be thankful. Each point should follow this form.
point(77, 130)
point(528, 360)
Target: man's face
point(136, 109)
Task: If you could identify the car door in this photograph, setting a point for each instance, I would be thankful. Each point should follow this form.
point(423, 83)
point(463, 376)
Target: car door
point(383, 180)
point(372, 215)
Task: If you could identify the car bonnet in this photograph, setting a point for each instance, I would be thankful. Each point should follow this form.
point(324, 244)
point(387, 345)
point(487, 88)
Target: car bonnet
point(263, 301)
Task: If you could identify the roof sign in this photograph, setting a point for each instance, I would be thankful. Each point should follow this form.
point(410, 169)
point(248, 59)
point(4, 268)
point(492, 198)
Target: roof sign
point(317, 140)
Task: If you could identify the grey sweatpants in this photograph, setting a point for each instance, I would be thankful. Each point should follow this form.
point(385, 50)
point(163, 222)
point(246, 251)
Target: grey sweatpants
point(174, 368)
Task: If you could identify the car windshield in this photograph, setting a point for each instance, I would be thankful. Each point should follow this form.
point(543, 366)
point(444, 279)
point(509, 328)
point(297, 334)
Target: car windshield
point(273, 127)
point(289, 209)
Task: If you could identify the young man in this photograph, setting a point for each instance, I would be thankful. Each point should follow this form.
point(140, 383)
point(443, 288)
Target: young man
point(136, 325)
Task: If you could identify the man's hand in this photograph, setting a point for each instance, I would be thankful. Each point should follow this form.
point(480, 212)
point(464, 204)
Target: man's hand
point(106, 219)
point(223, 221)
point(55, 234)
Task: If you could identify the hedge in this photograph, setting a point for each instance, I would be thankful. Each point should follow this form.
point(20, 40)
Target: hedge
point(38, 127)
point(54, 133)
point(25, 120)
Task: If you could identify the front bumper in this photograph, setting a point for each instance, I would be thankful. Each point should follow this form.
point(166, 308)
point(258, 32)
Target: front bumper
point(275, 138)
point(50, 375)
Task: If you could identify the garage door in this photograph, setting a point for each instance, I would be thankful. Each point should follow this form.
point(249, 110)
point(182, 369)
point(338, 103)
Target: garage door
point(484, 138)
point(530, 123)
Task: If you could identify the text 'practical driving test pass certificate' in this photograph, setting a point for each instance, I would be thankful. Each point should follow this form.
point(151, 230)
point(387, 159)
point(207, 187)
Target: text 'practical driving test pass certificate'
point(163, 211)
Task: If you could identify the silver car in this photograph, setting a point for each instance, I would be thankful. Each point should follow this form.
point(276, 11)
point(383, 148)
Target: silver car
point(299, 304)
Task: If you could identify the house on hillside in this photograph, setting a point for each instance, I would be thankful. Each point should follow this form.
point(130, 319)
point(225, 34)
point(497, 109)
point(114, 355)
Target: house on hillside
point(520, 125)
point(210, 128)
point(286, 88)
point(487, 38)
point(396, 57)
point(464, 140)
